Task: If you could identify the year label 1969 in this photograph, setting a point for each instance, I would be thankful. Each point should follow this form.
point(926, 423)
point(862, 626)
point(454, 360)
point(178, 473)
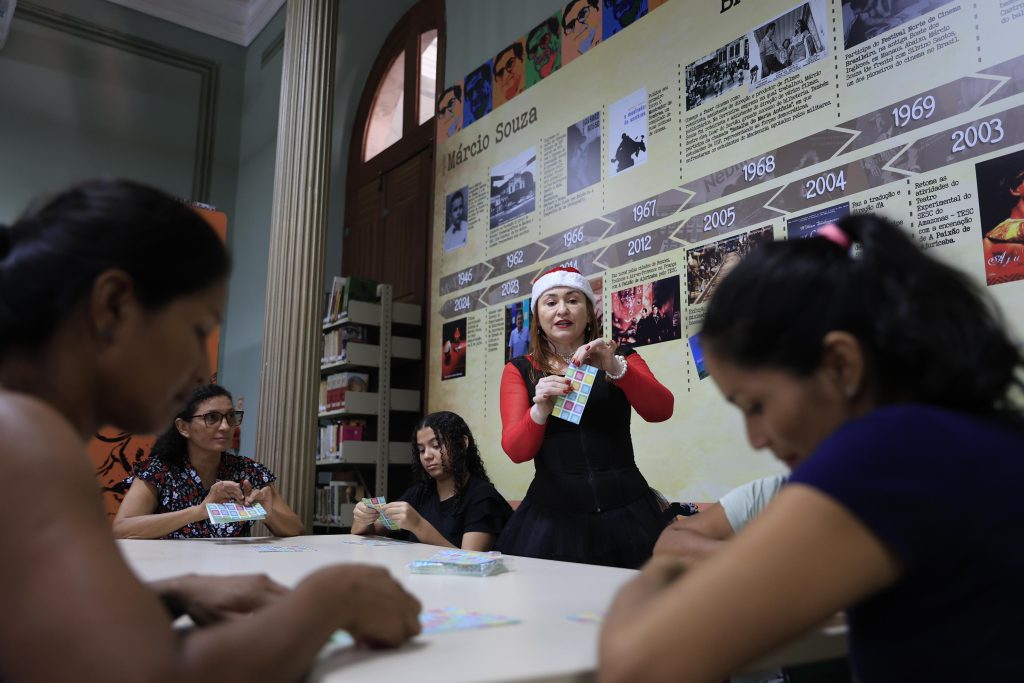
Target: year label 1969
point(919, 109)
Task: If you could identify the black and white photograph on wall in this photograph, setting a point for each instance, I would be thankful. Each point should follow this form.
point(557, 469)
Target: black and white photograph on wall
point(453, 349)
point(627, 125)
point(647, 313)
point(788, 43)
point(583, 153)
point(865, 19)
point(517, 329)
point(708, 264)
point(513, 187)
point(456, 227)
point(800, 227)
point(717, 73)
point(1001, 207)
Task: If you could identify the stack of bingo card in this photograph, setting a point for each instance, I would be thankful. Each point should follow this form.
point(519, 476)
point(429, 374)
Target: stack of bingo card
point(461, 563)
point(377, 504)
point(232, 513)
point(570, 407)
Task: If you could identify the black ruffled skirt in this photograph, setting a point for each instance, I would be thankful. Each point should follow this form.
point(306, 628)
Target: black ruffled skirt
point(619, 537)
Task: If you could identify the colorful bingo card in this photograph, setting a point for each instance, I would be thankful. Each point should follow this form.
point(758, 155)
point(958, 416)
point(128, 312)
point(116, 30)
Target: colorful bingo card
point(377, 504)
point(229, 513)
point(570, 406)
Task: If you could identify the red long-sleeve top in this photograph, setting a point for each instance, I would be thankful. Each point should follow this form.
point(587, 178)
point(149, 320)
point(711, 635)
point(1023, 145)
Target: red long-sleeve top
point(521, 437)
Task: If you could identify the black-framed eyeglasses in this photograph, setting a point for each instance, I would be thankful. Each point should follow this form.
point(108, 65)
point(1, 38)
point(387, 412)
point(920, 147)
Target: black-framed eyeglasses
point(570, 25)
point(448, 107)
point(500, 71)
point(214, 417)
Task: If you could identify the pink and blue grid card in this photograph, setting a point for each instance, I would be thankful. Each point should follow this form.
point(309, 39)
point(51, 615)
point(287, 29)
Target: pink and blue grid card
point(230, 513)
point(570, 407)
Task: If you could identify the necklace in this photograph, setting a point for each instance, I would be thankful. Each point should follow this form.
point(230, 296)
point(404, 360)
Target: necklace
point(567, 357)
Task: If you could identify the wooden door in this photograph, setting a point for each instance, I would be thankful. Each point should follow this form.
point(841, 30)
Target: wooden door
point(388, 234)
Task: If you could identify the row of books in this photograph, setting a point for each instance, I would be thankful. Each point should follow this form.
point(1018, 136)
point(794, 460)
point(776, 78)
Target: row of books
point(335, 343)
point(332, 436)
point(334, 387)
point(345, 289)
point(332, 504)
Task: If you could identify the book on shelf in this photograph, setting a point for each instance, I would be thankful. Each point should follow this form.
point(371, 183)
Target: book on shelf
point(359, 289)
point(336, 492)
point(345, 289)
point(335, 343)
point(333, 309)
point(333, 502)
point(334, 387)
point(332, 436)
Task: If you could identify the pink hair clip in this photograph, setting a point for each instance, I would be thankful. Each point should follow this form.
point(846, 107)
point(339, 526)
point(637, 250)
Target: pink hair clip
point(834, 233)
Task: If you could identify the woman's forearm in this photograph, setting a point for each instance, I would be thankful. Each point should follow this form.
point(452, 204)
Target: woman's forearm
point(285, 523)
point(158, 524)
point(427, 533)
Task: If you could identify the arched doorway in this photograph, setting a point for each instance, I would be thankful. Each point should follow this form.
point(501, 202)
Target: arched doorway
point(390, 169)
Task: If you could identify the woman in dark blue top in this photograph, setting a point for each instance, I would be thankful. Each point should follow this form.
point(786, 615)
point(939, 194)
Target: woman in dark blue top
point(884, 380)
point(453, 502)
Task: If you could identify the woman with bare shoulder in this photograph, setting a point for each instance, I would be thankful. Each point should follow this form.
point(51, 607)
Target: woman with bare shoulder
point(107, 294)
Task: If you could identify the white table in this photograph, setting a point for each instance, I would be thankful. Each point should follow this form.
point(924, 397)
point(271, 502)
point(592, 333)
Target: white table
point(545, 646)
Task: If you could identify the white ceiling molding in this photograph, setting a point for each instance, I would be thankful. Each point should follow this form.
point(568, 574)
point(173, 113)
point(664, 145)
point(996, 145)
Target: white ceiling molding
point(236, 21)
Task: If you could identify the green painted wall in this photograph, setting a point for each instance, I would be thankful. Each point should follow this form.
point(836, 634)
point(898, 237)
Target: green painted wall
point(89, 88)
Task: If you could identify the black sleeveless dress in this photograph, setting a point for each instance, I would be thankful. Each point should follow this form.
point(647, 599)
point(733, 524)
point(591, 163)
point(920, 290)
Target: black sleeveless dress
point(588, 501)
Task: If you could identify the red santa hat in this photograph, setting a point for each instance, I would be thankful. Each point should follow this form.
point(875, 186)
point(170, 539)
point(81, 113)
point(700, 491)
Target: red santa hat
point(561, 276)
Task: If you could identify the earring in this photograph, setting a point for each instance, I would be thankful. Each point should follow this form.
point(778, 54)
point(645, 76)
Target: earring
point(851, 392)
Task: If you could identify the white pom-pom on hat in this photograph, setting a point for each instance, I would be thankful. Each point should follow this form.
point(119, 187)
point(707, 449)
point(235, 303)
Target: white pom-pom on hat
point(561, 276)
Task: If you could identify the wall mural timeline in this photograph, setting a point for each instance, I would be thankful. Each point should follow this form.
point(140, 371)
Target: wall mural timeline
point(652, 144)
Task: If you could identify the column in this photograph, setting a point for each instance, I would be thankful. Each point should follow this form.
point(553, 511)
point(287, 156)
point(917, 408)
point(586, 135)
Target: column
point(290, 380)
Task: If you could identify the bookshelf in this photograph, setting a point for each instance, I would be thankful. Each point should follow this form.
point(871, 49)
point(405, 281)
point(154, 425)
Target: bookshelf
point(371, 394)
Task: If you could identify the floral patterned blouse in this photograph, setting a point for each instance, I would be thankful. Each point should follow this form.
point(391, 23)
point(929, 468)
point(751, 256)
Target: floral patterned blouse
point(179, 488)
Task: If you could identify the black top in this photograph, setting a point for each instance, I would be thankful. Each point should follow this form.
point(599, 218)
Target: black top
point(587, 467)
point(479, 508)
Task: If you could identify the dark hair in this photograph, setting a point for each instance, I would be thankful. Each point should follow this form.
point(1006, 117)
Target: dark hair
point(457, 443)
point(515, 48)
point(1011, 181)
point(455, 90)
point(551, 24)
point(171, 447)
point(481, 74)
point(572, 3)
point(50, 257)
point(928, 334)
point(456, 195)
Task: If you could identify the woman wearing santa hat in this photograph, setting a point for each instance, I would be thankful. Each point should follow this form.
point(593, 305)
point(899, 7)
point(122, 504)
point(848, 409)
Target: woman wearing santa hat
point(588, 502)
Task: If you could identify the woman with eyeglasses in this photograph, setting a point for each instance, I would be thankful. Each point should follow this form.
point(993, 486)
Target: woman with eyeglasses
point(189, 468)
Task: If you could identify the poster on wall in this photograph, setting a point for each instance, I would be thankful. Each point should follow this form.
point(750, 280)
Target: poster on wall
point(652, 145)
